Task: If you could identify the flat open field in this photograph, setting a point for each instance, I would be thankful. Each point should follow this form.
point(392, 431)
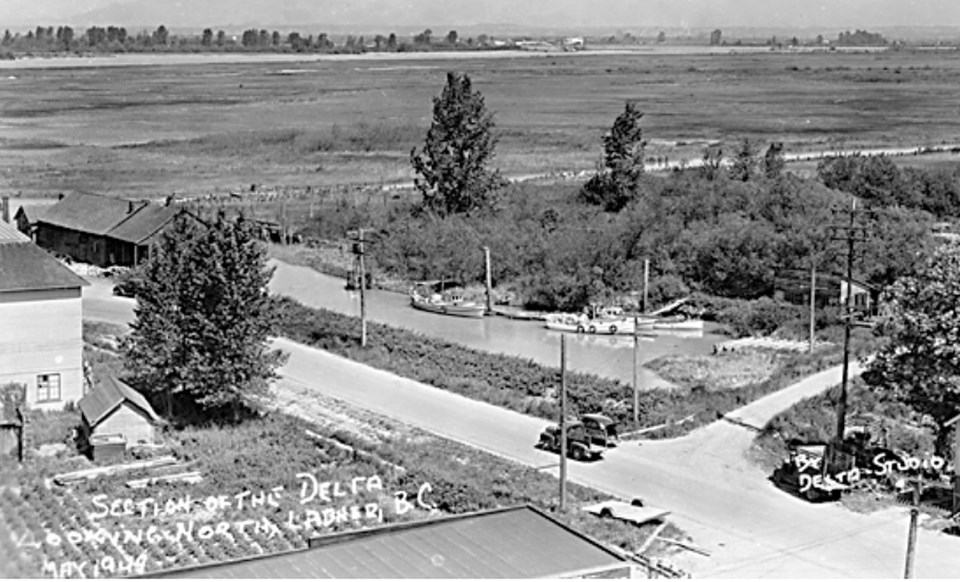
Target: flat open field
point(149, 130)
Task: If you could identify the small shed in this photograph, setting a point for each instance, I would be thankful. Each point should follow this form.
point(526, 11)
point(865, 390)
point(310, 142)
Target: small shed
point(112, 409)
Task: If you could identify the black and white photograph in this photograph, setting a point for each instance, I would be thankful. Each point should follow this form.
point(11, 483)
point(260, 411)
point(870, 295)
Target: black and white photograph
point(488, 289)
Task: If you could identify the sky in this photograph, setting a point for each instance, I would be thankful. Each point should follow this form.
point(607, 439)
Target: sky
point(623, 14)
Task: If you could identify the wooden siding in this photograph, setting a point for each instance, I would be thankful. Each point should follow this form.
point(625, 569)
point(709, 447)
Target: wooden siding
point(90, 248)
point(41, 333)
point(127, 420)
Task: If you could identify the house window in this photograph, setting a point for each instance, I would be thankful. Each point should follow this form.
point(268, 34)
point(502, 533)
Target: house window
point(48, 387)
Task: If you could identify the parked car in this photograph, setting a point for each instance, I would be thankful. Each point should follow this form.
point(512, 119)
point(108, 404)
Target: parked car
point(601, 429)
point(127, 283)
point(579, 445)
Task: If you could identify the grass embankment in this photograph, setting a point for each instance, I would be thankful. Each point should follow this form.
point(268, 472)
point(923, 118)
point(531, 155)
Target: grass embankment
point(523, 385)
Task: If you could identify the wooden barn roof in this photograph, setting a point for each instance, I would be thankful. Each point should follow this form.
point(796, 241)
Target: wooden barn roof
point(144, 224)
point(89, 213)
point(136, 222)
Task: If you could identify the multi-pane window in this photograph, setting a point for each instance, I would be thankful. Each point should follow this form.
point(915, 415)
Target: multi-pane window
point(48, 387)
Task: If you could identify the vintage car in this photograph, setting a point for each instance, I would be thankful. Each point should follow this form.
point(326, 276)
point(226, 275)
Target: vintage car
point(579, 444)
point(601, 429)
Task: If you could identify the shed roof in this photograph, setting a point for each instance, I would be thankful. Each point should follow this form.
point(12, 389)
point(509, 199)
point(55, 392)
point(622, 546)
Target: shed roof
point(26, 267)
point(90, 213)
point(515, 542)
point(107, 395)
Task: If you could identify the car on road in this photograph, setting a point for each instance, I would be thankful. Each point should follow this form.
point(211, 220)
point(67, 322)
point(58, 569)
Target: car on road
point(579, 445)
point(126, 282)
point(601, 429)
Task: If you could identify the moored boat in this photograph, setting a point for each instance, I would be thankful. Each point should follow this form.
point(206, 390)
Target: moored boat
point(678, 322)
point(450, 303)
point(579, 323)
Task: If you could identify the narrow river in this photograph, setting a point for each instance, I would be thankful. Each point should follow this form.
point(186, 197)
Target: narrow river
point(608, 356)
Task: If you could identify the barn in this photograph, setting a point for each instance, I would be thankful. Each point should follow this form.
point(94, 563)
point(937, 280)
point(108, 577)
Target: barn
point(114, 409)
point(103, 230)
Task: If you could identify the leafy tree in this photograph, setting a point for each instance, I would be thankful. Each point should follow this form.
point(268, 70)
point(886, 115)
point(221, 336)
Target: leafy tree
point(920, 365)
point(453, 38)
point(203, 318)
point(711, 163)
point(424, 37)
point(616, 183)
point(161, 36)
point(207, 38)
point(744, 162)
point(452, 166)
point(773, 162)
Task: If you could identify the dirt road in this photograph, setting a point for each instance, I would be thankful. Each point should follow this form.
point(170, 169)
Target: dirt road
point(729, 507)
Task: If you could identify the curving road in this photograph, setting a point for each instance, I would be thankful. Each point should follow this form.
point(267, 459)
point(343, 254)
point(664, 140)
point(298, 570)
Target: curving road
point(727, 505)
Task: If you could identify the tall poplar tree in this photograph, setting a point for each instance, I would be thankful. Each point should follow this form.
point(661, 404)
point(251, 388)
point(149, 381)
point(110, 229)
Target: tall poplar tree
point(452, 165)
point(203, 319)
point(615, 184)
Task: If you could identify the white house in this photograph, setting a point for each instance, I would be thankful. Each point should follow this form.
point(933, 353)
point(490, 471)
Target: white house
point(41, 342)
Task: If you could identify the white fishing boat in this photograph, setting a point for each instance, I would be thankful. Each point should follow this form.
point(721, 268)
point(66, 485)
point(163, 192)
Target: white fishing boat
point(679, 323)
point(580, 323)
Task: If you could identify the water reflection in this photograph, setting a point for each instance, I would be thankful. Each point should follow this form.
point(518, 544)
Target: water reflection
point(608, 356)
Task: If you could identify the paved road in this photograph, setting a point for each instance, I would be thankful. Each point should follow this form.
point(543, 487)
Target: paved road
point(728, 506)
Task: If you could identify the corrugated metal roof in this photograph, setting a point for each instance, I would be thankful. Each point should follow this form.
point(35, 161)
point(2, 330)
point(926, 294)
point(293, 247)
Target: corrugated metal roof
point(518, 542)
point(143, 224)
point(26, 267)
point(90, 213)
point(10, 234)
point(107, 394)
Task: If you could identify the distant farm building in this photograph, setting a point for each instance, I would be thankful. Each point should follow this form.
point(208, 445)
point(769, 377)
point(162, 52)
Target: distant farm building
point(41, 343)
point(113, 409)
point(514, 542)
point(103, 230)
point(831, 290)
point(26, 219)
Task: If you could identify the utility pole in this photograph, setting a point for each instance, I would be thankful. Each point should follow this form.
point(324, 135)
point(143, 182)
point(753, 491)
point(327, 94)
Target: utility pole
point(646, 284)
point(486, 258)
point(636, 370)
point(563, 421)
point(363, 296)
point(851, 234)
point(912, 534)
point(813, 301)
point(358, 250)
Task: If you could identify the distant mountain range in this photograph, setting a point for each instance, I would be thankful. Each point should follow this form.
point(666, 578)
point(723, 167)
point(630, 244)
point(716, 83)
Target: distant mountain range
point(496, 16)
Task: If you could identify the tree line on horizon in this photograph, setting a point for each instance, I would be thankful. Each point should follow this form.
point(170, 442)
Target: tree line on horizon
point(116, 39)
